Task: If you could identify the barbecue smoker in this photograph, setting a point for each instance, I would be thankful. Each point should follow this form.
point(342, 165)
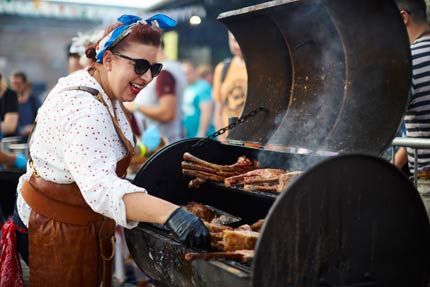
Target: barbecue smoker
point(332, 79)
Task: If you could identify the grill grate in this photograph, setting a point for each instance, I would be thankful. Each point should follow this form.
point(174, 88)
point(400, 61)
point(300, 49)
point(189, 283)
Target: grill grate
point(264, 194)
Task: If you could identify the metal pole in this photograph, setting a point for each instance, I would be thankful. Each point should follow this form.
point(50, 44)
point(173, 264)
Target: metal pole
point(419, 143)
point(415, 143)
point(415, 167)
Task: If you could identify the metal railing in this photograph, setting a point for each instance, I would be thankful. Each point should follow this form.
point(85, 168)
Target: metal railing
point(414, 143)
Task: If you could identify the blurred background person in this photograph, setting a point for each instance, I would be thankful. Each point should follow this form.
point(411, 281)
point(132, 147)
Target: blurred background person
point(416, 119)
point(73, 57)
point(77, 60)
point(28, 103)
point(229, 87)
point(197, 104)
point(206, 72)
point(9, 161)
point(160, 103)
point(8, 109)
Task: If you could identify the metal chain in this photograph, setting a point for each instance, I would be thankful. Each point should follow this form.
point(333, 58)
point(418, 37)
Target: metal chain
point(229, 127)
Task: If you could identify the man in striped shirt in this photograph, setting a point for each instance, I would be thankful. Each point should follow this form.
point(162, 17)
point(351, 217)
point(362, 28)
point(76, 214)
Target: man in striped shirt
point(417, 117)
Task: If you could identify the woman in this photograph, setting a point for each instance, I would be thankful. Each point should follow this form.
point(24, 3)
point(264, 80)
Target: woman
point(74, 191)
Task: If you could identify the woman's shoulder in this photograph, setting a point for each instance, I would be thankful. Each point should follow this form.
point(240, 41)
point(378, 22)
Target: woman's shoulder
point(77, 85)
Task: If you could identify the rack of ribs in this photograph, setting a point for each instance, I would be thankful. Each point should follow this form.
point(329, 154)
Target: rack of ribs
point(231, 243)
point(236, 244)
point(226, 238)
point(257, 176)
point(203, 170)
point(265, 179)
point(286, 178)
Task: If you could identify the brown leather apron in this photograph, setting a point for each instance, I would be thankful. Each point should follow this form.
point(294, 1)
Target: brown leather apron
point(69, 243)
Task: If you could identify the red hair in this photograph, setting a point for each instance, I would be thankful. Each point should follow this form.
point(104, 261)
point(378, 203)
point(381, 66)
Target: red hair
point(141, 33)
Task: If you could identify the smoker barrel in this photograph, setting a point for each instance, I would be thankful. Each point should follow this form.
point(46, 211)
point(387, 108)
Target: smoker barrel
point(334, 75)
point(331, 75)
point(347, 221)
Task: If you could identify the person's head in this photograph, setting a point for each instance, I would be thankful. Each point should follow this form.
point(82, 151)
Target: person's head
point(414, 15)
point(73, 57)
point(234, 45)
point(76, 49)
point(125, 58)
point(206, 72)
point(18, 82)
point(190, 71)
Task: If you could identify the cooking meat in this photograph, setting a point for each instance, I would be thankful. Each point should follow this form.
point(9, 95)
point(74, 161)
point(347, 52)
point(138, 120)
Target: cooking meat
point(255, 176)
point(257, 225)
point(286, 178)
point(244, 227)
point(195, 183)
point(267, 179)
point(215, 228)
point(203, 175)
point(239, 255)
point(186, 165)
point(201, 211)
point(238, 239)
point(268, 187)
point(203, 170)
point(243, 163)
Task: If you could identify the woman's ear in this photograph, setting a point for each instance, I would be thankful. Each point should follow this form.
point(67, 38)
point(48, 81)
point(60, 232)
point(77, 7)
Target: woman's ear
point(107, 60)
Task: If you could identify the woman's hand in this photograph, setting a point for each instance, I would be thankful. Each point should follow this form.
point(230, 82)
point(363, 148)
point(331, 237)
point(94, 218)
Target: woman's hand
point(188, 229)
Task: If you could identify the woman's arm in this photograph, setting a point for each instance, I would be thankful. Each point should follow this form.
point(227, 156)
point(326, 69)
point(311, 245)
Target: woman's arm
point(165, 112)
point(140, 206)
point(9, 123)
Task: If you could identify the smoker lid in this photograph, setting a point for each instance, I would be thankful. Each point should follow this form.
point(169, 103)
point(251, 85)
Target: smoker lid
point(351, 220)
point(334, 75)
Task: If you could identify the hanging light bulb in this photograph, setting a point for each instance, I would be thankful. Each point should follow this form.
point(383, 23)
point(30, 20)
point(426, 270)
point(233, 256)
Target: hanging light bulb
point(195, 20)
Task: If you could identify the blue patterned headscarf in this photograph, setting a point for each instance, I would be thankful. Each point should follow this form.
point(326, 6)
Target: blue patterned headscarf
point(130, 21)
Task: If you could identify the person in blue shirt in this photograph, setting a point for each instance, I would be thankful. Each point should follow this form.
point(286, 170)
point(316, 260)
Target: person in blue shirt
point(197, 104)
point(28, 104)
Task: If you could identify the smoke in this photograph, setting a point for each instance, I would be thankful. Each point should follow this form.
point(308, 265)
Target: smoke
point(317, 95)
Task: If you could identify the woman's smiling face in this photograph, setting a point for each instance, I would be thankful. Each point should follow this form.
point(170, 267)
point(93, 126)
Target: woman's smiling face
point(124, 83)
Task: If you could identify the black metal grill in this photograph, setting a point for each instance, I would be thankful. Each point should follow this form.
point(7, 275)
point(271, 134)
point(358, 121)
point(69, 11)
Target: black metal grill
point(329, 79)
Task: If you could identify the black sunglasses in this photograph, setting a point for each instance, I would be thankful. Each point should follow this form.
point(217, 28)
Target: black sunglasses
point(142, 65)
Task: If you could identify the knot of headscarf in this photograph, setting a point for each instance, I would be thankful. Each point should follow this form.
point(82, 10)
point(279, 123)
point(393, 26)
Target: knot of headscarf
point(130, 21)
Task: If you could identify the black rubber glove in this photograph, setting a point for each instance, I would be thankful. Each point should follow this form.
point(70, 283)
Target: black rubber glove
point(188, 229)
